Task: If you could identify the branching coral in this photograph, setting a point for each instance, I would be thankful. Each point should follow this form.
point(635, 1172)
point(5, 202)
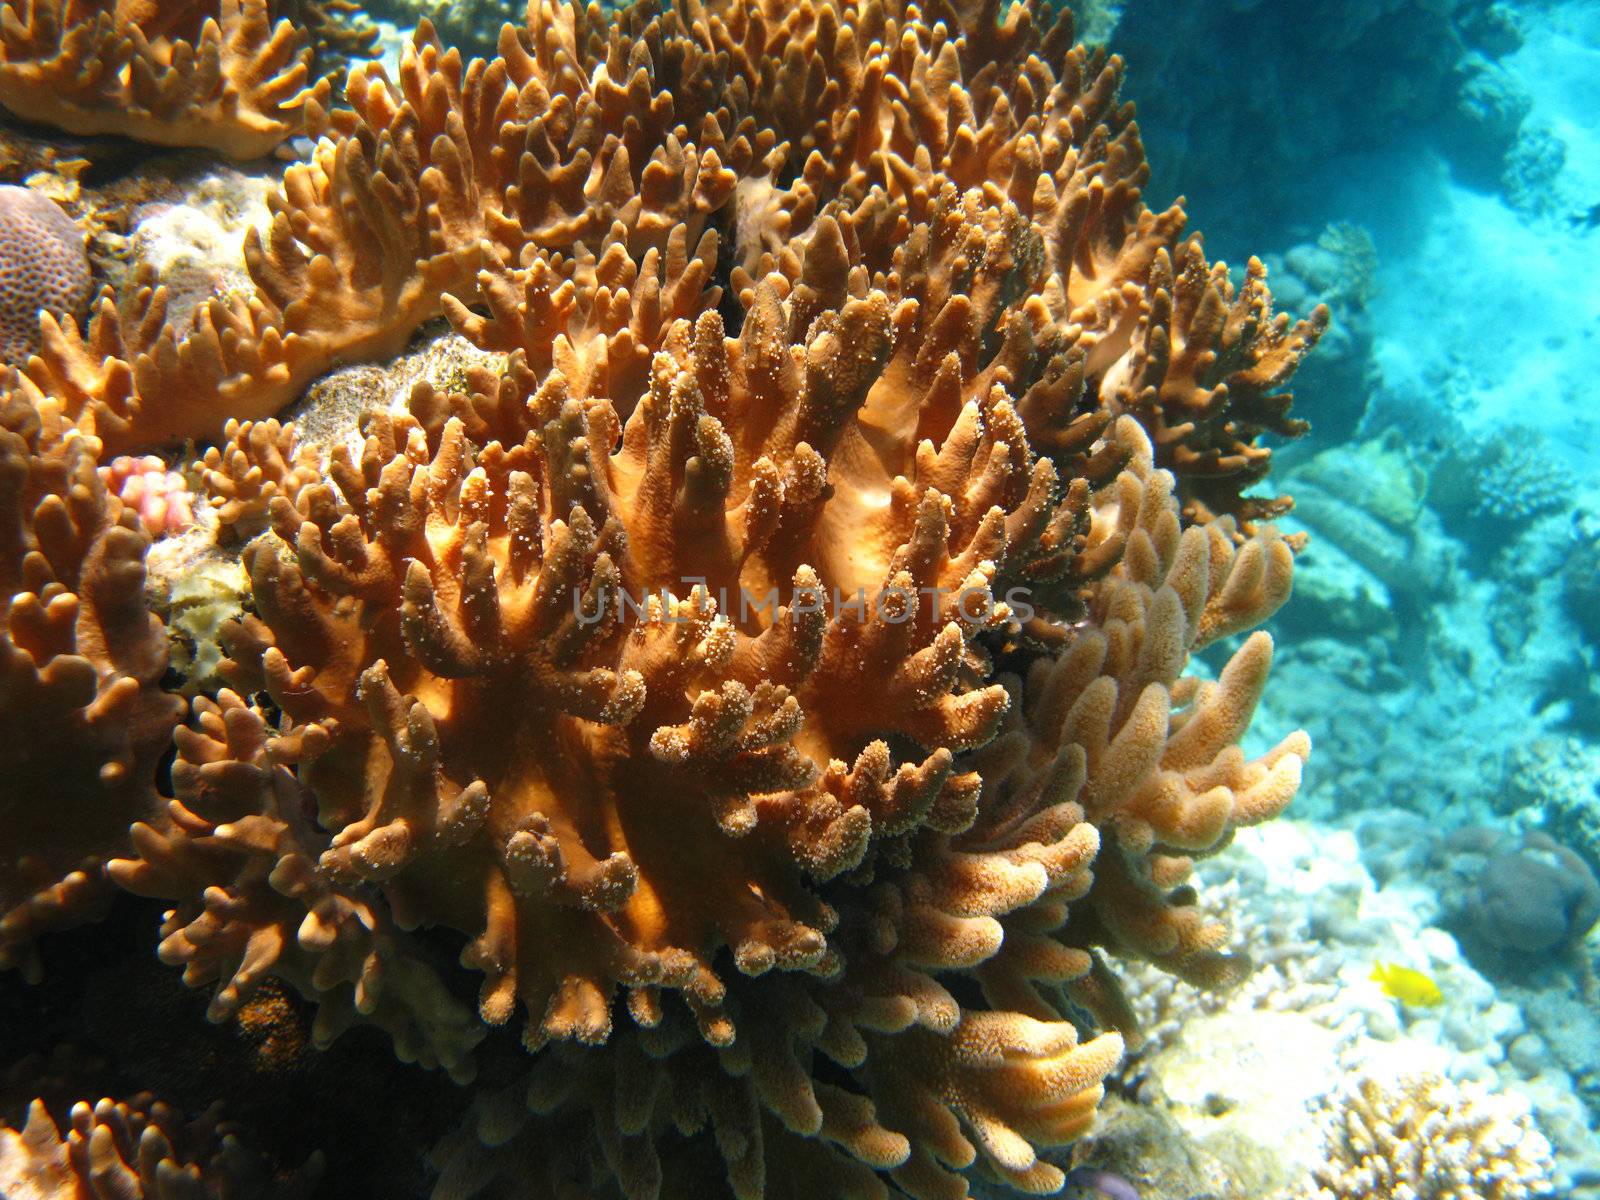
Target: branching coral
point(1424, 1138)
point(1162, 774)
point(80, 666)
point(218, 75)
point(340, 32)
point(237, 841)
point(767, 663)
point(1205, 376)
point(605, 798)
point(138, 1150)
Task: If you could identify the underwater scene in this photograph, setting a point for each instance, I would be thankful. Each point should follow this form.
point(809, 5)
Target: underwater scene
point(799, 600)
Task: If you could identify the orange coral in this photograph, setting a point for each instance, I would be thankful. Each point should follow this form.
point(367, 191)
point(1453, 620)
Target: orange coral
point(605, 803)
point(767, 661)
point(1205, 376)
point(458, 168)
point(480, 568)
point(218, 75)
point(237, 841)
point(80, 667)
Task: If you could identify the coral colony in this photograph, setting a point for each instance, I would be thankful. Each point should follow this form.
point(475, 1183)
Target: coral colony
point(760, 300)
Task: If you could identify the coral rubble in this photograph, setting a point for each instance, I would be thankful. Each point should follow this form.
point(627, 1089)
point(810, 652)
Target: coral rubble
point(763, 658)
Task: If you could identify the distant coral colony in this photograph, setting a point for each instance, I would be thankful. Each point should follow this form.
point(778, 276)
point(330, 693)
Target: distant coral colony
point(832, 297)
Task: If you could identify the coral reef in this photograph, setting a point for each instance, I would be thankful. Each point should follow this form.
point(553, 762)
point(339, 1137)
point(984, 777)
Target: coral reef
point(759, 648)
point(472, 29)
point(193, 242)
point(1486, 486)
point(1427, 1138)
point(340, 31)
point(1245, 1081)
point(238, 848)
point(1580, 576)
point(1340, 270)
point(223, 75)
point(368, 238)
point(44, 267)
point(1535, 898)
point(138, 1150)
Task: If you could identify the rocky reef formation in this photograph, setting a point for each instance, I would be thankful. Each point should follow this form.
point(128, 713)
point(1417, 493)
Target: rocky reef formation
point(758, 654)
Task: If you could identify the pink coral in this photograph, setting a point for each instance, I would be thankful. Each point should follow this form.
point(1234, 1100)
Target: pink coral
point(160, 496)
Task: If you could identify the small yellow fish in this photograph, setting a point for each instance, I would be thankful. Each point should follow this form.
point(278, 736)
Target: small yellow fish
point(1407, 986)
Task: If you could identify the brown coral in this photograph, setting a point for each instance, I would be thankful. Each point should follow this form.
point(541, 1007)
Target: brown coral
point(606, 798)
point(238, 841)
point(1423, 1136)
point(137, 1149)
point(767, 663)
point(219, 75)
point(460, 167)
point(80, 667)
point(1205, 375)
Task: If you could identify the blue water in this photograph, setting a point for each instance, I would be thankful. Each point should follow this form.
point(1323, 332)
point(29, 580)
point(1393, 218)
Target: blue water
point(1433, 171)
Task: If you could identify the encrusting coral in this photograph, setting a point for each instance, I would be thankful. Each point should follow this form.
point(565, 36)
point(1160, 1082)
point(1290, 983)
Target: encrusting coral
point(158, 494)
point(138, 1150)
point(218, 74)
point(767, 662)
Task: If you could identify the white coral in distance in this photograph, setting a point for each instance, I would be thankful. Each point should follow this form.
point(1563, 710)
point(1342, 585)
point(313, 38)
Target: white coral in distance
point(1422, 1137)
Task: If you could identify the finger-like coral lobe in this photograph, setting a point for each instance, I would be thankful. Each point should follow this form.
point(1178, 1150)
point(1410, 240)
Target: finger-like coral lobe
point(222, 75)
point(138, 1149)
point(80, 666)
point(695, 116)
point(237, 848)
